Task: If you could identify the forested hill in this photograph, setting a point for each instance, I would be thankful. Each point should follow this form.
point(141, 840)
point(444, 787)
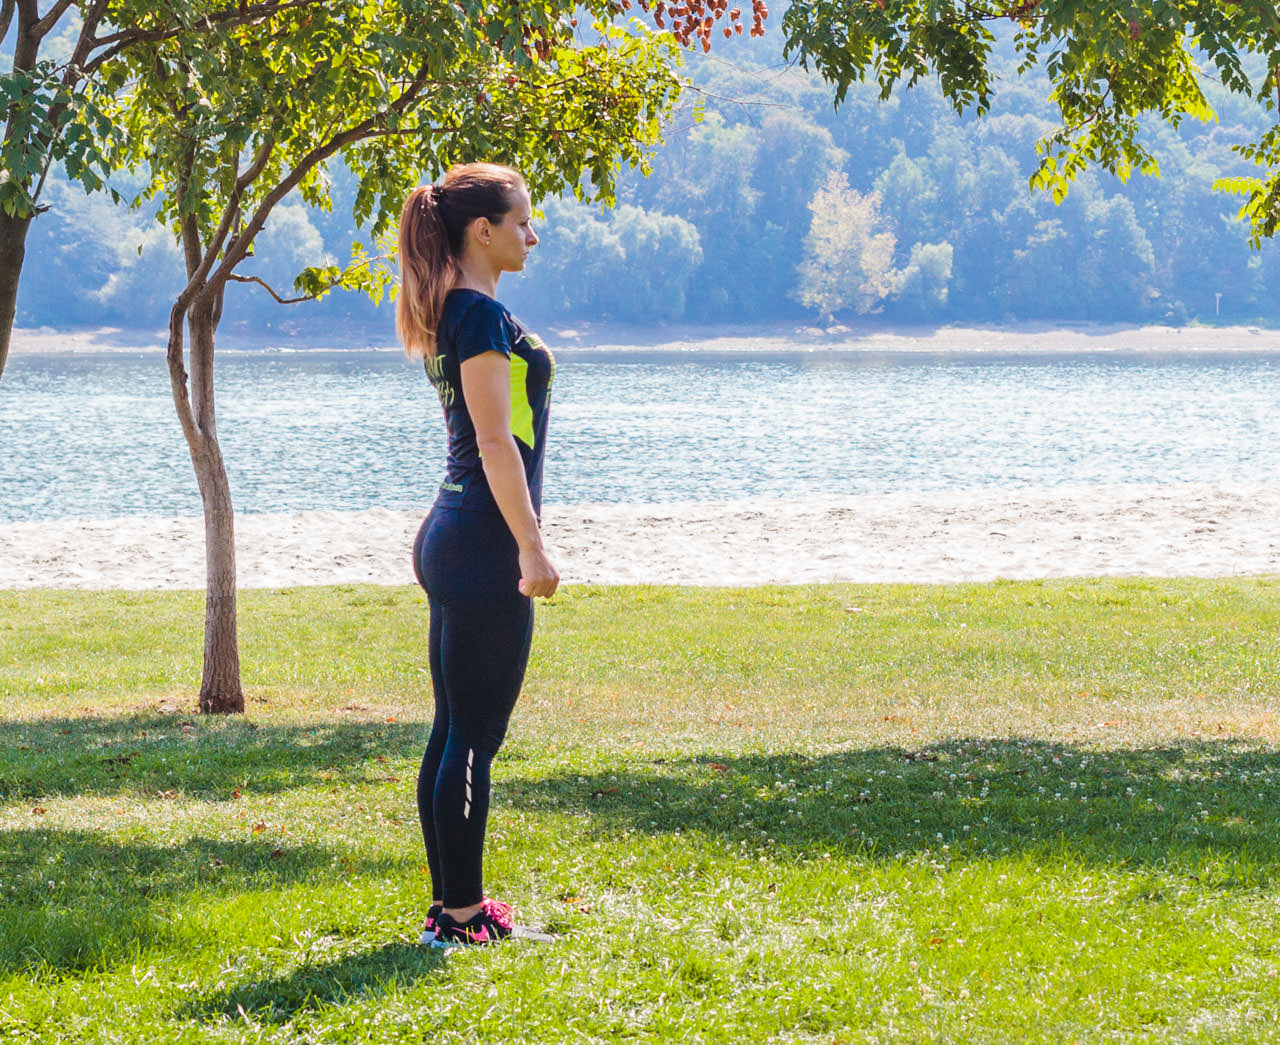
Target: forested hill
point(773, 206)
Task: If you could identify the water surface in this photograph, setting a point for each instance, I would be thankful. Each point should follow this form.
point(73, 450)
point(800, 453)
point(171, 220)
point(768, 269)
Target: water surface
point(95, 436)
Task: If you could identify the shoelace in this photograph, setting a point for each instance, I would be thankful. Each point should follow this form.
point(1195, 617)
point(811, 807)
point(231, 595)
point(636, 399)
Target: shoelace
point(499, 913)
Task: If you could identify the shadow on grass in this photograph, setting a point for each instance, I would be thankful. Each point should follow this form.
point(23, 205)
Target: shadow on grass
point(1212, 809)
point(74, 900)
point(1143, 805)
point(201, 757)
point(315, 985)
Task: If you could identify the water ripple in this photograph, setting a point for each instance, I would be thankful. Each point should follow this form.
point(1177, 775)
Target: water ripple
point(95, 436)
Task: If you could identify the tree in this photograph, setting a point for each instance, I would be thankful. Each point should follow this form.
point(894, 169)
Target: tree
point(662, 253)
point(47, 121)
point(921, 286)
point(1122, 283)
point(227, 124)
point(52, 101)
point(582, 254)
point(1109, 62)
point(631, 264)
point(849, 251)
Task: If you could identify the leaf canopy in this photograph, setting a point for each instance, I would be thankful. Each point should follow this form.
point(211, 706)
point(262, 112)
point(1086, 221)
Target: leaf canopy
point(1110, 62)
point(225, 122)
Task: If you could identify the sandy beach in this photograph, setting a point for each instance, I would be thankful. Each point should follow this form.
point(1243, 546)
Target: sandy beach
point(1183, 530)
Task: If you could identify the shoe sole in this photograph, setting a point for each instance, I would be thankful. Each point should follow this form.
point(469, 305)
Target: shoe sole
point(518, 932)
point(523, 932)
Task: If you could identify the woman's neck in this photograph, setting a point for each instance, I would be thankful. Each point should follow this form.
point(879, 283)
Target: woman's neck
point(473, 275)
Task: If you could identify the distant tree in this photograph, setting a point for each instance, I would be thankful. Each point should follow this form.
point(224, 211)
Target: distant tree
point(661, 254)
point(627, 263)
point(579, 251)
point(909, 195)
point(1117, 261)
point(707, 173)
point(1109, 63)
point(793, 160)
point(1041, 279)
point(920, 286)
point(227, 125)
point(848, 252)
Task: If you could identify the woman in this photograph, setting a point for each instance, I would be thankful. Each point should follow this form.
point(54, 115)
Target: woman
point(479, 554)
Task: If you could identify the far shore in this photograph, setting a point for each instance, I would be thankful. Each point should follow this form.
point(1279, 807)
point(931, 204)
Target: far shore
point(1020, 338)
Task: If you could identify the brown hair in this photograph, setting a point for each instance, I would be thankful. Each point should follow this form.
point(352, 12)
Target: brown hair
point(432, 224)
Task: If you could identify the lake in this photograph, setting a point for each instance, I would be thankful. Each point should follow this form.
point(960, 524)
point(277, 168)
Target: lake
point(95, 435)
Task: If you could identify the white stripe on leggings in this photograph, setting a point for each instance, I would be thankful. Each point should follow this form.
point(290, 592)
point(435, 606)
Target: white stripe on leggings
point(466, 808)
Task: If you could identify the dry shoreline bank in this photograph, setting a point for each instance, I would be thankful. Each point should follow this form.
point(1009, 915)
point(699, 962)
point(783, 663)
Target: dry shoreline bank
point(996, 339)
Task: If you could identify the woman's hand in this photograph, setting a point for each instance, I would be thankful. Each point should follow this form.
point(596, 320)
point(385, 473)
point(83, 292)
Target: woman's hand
point(538, 578)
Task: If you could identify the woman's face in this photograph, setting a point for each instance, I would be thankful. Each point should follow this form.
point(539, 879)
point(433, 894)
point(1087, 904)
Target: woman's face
point(512, 237)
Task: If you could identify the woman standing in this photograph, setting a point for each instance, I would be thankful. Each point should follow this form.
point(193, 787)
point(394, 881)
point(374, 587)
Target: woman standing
point(479, 553)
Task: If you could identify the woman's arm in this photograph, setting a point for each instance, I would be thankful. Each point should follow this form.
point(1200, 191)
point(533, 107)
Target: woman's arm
point(486, 386)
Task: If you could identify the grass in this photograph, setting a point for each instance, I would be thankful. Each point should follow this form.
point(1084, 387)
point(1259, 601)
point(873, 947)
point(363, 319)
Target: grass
point(1018, 812)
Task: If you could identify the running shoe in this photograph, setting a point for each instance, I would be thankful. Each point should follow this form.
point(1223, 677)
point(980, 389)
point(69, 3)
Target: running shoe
point(429, 925)
point(488, 925)
point(493, 922)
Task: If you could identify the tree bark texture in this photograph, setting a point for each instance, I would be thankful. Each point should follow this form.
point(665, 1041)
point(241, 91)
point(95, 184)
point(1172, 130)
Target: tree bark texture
point(13, 248)
point(13, 231)
point(220, 687)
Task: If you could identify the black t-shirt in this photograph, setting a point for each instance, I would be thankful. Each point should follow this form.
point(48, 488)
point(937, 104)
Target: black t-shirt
point(473, 323)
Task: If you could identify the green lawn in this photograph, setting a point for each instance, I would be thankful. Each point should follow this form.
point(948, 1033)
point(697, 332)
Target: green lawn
point(1016, 812)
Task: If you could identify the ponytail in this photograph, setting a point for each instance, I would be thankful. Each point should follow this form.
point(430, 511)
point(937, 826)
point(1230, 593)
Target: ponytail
point(427, 271)
point(432, 227)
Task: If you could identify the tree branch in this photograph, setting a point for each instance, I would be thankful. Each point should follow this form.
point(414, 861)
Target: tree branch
point(231, 215)
point(366, 128)
point(254, 169)
point(364, 263)
point(236, 278)
point(26, 48)
point(241, 15)
point(189, 233)
point(88, 26)
point(51, 19)
point(70, 75)
point(243, 181)
point(175, 355)
point(6, 18)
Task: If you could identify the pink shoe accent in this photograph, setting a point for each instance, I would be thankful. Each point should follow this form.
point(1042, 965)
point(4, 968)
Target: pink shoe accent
point(493, 922)
point(498, 912)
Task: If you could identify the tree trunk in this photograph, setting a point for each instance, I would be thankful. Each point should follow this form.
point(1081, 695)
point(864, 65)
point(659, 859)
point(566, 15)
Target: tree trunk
point(220, 689)
point(13, 248)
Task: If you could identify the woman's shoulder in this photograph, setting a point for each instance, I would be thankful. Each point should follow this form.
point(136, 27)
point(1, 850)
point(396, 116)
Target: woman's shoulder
point(461, 301)
point(473, 322)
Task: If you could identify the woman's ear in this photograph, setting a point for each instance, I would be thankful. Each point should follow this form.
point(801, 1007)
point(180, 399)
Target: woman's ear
point(482, 230)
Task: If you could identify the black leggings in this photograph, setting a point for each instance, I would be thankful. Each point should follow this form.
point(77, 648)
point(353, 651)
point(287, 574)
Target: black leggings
point(481, 627)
